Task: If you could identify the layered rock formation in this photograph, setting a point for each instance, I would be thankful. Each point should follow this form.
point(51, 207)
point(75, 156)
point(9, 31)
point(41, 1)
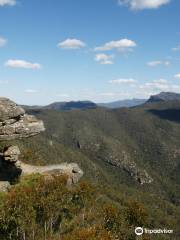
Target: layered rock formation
point(15, 124)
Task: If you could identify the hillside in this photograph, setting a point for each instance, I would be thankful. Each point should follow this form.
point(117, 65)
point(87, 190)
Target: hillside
point(129, 152)
point(138, 145)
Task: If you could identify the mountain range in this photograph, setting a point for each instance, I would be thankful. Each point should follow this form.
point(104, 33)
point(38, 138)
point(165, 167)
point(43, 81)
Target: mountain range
point(123, 103)
point(66, 106)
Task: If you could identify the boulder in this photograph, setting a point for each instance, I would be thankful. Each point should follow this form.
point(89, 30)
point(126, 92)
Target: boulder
point(4, 186)
point(11, 153)
point(15, 124)
point(9, 110)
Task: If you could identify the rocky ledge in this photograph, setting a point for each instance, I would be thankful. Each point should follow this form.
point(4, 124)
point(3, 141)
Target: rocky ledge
point(11, 166)
point(16, 124)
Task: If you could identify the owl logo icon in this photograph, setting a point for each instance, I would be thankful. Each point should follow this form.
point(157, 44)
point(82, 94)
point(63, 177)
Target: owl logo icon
point(139, 231)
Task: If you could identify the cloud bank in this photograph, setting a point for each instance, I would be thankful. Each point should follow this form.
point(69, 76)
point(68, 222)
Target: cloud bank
point(31, 91)
point(176, 49)
point(177, 76)
point(14, 63)
point(143, 4)
point(3, 42)
point(157, 63)
point(7, 2)
point(123, 81)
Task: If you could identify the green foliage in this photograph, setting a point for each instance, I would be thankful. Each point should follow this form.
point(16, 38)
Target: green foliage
point(136, 214)
point(145, 136)
point(45, 208)
point(41, 207)
point(141, 135)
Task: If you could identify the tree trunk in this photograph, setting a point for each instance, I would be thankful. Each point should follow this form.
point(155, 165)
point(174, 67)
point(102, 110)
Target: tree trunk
point(33, 234)
point(24, 236)
point(45, 230)
point(51, 224)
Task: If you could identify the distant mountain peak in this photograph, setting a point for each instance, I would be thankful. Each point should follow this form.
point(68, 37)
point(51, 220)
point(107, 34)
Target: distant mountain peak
point(123, 103)
point(164, 97)
point(71, 105)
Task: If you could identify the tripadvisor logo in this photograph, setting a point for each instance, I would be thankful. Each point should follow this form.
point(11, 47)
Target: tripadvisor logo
point(139, 231)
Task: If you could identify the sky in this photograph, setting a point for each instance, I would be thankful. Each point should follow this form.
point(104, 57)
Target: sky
point(98, 50)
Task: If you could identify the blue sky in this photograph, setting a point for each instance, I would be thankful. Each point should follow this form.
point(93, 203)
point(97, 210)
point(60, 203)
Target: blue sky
point(100, 50)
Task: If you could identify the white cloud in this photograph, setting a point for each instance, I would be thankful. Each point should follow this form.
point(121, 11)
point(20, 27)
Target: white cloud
point(7, 2)
point(143, 4)
point(107, 62)
point(122, 45)
point(104, 58)
point(147, 89)
point(14, 63)
point(4, 82)
point(175, 88)
point(177, 75)
point(158, 62)
point(167, 63)
point(161, 81)
point(64, 95)
point(176, 49)
point(31, 91)
point(156, 85)
point(3, 42)
point(123, 81)
point(108, 94)
point(154, 63)
point(71, 43)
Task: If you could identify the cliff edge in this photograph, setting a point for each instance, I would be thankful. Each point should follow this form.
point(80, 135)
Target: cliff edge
point(16, 124)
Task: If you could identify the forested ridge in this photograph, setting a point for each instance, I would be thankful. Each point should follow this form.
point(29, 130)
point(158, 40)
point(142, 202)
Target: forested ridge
point(113, 148)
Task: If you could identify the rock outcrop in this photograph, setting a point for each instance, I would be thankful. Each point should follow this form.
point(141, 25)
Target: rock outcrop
point(11, 154)
point(16, 124)
point(4, 186)
point(72, 170)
